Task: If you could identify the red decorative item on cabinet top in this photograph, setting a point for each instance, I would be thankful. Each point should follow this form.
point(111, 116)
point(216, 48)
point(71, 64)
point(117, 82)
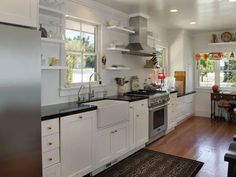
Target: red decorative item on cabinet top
point(161, 76)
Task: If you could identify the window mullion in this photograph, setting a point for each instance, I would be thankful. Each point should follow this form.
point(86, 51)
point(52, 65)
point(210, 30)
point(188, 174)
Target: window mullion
point(217, 72)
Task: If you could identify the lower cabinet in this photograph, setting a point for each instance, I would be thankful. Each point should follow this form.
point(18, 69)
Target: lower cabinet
point(77, 144)
point(111, 143)
point(53, 171)
point(139, 122)
point(172, 112)
point(51, 148)
point(185, 107)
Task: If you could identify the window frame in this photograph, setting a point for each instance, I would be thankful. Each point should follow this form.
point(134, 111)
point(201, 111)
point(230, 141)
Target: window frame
point(217, 77)
point(98, 35)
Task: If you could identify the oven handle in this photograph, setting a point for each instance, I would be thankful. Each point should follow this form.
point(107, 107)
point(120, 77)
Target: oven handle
point(158, 107)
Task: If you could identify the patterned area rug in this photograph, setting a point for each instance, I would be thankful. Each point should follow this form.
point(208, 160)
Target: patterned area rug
point(147, 163)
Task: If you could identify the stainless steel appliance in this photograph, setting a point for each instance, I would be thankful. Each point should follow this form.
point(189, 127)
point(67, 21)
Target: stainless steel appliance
point(20, 111)
point(157, 103)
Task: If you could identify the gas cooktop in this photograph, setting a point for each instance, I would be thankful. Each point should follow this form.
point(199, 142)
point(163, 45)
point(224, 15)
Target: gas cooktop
point(145, 92)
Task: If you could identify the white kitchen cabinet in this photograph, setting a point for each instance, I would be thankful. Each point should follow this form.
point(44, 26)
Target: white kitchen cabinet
point(185, 107)
point(23, 12)
point(172, 112)
point(111, 143)
point(77, 144)
point(52, 171)
point(139, 121)
point(51, 148)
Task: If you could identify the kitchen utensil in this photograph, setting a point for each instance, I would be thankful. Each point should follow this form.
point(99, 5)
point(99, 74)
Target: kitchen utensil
point(135, 86)
point(121, 81)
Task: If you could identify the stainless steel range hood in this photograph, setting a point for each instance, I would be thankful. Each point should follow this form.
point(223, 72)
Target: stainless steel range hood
point(138, 41)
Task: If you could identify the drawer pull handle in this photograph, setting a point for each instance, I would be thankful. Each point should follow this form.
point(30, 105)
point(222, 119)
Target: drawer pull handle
point(49, 128)
point(130, 107)
point(50, 159)
point(50, 143)
point(115, 131)
point(137, 115)
point(80, 117)
point(142, 104)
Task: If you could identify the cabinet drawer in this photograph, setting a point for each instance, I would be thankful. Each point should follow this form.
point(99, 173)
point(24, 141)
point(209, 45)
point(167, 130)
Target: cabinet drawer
point(50, 158)
point(139, 105)
point(50, 142)
point(53, 171)
point(50, 127)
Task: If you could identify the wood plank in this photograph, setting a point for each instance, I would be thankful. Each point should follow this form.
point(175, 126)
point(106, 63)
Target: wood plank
point(200, 139)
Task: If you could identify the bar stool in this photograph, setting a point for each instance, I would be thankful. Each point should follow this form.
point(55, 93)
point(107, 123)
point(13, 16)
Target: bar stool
point(223, 106)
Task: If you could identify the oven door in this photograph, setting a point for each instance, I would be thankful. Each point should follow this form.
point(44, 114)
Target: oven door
point(157, 120)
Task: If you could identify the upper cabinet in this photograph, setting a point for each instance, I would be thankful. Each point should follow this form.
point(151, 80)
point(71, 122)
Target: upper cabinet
point(23, 12)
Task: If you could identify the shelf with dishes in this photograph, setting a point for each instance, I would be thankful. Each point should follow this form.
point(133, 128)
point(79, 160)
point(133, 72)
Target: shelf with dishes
point(222, 43)
point(120, 29)
point(53, 67)
point(51, 11)
point(117, 68)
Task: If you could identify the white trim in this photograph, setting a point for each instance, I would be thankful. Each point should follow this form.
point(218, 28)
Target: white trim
point(98, 6)
point(139, 15)
point(74, 18)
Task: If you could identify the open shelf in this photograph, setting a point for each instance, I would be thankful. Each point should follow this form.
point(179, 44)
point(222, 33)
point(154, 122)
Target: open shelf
point(50, 11)
point(49, 40)
point(117, 68)
point(120, 29)
point(222, 43)
point(118, 49)
point(53, 67)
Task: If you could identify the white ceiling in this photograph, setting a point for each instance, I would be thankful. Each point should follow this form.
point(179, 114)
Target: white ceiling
point(209, 14)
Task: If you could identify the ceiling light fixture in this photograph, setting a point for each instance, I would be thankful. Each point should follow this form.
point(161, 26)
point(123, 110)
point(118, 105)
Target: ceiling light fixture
point(232, 0)
point(192, 23)
point(174, 10)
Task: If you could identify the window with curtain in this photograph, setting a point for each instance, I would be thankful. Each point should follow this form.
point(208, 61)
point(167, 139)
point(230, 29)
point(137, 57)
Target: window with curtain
point(217, 68)
point(81, 51)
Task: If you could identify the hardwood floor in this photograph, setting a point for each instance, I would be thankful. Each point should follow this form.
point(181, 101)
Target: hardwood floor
point(200, 139)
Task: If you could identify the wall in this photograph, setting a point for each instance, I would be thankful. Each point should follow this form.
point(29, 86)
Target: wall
point(181, 55)
point(200, 44)
point(95, 12)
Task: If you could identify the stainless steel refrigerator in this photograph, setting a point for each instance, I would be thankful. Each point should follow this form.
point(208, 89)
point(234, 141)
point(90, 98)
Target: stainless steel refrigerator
point(20, 120)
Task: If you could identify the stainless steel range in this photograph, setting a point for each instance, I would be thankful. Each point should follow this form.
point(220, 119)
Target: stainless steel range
point(157, 103)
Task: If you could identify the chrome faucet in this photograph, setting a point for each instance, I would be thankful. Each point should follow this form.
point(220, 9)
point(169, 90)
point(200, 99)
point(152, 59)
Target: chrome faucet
point(91, 93)
point(78, 94)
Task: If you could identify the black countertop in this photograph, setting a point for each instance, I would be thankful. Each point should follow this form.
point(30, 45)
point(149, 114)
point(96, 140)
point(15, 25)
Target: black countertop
point(126, 98)
point(173, 91)
point(187, 93)
point(65, 109)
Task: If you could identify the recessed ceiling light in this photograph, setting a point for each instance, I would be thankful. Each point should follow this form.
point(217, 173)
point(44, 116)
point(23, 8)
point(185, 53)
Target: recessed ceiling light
point(174, 10)
point(232, 0)
point(192, 23)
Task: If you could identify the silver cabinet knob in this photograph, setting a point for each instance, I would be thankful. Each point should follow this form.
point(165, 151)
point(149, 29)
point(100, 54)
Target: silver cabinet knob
point(80, 117)
point(50, 159)
point(49, 128)
point(50, 143)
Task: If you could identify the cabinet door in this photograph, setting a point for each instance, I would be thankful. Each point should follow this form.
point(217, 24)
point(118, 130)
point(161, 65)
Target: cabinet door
point(23, 12)
point(52, 171)
point(141, 126)
point(119, 141)
point(76, 144)
point(131, 127)
point(102, 150)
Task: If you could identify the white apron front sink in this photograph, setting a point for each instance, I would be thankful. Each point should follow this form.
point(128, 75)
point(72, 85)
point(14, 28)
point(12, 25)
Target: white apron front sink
point(111, 112)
